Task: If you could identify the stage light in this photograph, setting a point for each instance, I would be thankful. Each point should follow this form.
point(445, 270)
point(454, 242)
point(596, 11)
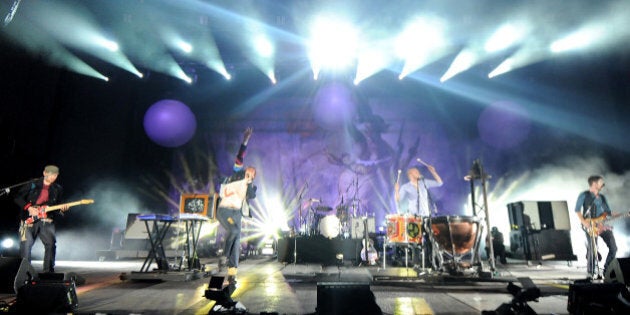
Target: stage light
point(333, 44)
point(109, 44)
point(504, 67)
point(8, 243)
point(264, 47)
point(268, 247)
point(369, 63)
point(462, 62)
point(184, 46)
point(272, 77)
point(506, 36)
point(577, 40)
point(422, 41)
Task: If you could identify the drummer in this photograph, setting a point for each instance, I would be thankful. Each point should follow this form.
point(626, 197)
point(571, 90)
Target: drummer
point(412, 197)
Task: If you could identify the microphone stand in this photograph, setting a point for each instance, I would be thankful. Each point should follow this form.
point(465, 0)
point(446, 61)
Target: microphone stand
point(427, 227)
point(7, 190)
point(299, 227)
point(593, 238)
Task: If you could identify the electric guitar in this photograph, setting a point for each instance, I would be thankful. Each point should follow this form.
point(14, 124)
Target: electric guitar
point(600, 224)
point(43, 210)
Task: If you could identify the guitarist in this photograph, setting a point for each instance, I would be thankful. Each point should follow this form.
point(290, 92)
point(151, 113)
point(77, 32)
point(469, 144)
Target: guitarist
point(33, 222)
point(592, 207)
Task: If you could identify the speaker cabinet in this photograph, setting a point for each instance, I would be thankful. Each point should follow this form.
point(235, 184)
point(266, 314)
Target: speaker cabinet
point(14, 272)
point(47, 296)
point(539, 215)
point(542, 245)
point(346, 298)
point(618, 271)
point(596, 298)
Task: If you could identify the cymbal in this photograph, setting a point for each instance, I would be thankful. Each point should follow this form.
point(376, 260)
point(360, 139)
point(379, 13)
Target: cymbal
point(323, 208)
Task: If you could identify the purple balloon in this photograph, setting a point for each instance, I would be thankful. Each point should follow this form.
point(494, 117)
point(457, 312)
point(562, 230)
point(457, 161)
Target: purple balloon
point(170, 123)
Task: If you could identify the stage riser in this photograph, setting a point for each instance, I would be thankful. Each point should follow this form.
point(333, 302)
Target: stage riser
point(318, 249)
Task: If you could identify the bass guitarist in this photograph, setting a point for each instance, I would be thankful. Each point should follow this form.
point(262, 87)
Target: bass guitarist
point(34, 222)
point(592, 209)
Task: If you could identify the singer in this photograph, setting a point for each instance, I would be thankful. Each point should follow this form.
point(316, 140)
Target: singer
point(413, 197)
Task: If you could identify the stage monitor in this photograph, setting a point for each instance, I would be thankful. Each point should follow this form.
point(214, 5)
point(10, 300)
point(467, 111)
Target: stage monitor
point(194, 204)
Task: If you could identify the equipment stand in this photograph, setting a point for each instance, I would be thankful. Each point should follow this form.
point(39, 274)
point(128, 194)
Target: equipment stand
point(477, 172)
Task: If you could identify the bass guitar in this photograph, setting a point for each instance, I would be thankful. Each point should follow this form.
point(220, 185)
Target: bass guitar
point(600, 224)
point(43, 210)
point(368, 253)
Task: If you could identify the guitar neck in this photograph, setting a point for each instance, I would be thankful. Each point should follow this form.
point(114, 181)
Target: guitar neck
point(607, 219)
point(69, 204)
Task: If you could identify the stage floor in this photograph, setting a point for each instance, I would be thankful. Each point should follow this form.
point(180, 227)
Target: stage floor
point(268, 286)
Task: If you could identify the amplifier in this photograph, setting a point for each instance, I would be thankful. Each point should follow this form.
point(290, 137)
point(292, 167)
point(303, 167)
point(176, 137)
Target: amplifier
point(47, 296)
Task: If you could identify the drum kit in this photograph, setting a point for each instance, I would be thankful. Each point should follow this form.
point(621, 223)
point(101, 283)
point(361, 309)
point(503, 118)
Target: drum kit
point(453, 241)
point(323, 220)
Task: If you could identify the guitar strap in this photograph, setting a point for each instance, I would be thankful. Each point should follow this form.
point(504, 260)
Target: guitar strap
point(588, 209)
point(590, 200)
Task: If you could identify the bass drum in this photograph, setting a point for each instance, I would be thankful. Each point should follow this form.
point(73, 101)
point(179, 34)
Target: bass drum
point(329, 226)
point(404, 229)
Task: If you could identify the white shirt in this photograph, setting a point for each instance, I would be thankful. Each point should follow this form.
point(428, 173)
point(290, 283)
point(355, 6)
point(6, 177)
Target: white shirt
point(408, 202)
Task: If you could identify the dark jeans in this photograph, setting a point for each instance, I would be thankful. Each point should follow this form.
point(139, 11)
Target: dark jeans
point(609, 239)
point(231, 221)
point(46, 233)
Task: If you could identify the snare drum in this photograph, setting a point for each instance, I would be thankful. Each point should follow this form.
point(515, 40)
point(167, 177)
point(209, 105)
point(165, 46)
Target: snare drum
point(404, 229)
point(456, 235)
point(329, 226)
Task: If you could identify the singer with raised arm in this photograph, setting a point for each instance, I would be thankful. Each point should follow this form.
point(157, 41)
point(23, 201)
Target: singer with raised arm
point(593, 211)
point(413, 196)
point(235, 193)
point(32, 198)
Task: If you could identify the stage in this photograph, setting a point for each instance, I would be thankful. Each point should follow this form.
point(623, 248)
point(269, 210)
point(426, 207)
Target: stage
point(267, 286)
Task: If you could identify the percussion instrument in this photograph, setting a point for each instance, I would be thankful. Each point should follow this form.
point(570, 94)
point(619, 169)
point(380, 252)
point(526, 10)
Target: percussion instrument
point(329, 226)
point(342, 212)
point(404, 228)
point(455, 241)
point(456, 235)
